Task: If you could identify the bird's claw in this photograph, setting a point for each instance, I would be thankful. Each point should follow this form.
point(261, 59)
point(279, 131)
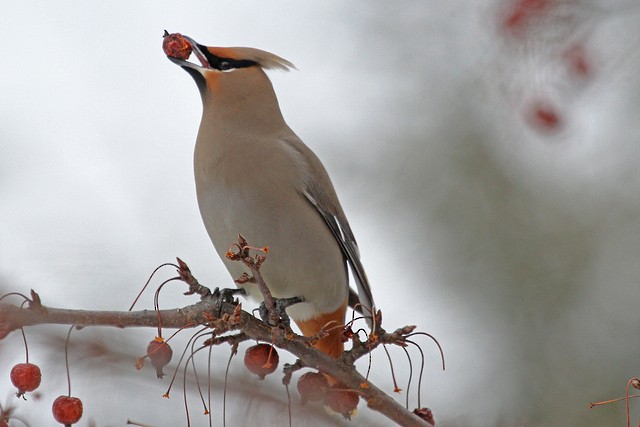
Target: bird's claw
point(227, 294)
point(281, 305)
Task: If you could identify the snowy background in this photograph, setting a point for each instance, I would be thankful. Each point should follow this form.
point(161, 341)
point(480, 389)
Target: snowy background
point(487, 155)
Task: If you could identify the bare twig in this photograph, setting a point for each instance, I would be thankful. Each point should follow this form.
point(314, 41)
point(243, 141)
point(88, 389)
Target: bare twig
point(222, 315)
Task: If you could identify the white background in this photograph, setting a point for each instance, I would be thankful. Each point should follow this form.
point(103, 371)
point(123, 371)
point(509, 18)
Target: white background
point(515, 245)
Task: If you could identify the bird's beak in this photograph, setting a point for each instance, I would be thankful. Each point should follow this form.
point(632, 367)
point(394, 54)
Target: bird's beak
point(180, 57)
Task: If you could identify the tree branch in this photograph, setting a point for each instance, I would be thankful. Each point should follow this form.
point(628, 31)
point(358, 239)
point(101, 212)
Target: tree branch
point(218, 311)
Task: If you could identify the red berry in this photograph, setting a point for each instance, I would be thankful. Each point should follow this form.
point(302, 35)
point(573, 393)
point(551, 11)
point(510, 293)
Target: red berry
point(160, 354)
point(312, 386)
point(67, 410)
point(176, 46)
point(578, 60)
point(426, 415)
point(261, 359)
point(522, 12)
point(342, 400)
point(544, 116)
point(26, 377)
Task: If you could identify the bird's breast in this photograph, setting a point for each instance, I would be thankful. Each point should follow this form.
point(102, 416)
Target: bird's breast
point(254, 188)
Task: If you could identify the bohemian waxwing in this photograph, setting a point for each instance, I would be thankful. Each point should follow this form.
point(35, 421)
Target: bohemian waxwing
point(255, 177)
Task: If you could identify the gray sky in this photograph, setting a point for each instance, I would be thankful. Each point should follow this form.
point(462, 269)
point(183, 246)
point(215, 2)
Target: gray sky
point(516, 245)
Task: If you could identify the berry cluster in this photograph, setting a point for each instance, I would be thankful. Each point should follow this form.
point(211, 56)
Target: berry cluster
point(262, 360)
point(26, 377)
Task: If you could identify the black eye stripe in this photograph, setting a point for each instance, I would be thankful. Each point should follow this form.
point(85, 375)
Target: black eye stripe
point(223, 64)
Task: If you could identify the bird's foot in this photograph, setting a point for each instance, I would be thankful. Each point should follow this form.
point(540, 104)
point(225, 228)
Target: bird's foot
point(227, 294)
point(280, 313)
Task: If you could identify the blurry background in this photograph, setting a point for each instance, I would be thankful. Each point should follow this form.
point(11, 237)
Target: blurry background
point(487, 157)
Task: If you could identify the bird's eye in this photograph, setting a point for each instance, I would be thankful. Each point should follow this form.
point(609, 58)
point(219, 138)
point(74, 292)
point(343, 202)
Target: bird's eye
point(224, 65)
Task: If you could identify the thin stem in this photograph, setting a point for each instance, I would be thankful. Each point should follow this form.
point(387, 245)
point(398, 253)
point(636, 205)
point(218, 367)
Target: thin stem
point(286, 387)
point(434, 340)
point(156, 304)
point(66, 359)
point(209, 386)
point(149, 281)
point(421, 371)
point(396, 389)
point(406, 405)
point(626, 402)
point(175, 372)
point(26, 348)
point(195, 372)
point(24, 336)
point(15, 293)
point(224, 394)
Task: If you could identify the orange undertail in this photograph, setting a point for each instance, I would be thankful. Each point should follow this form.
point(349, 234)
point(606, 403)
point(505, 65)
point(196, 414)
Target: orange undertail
point(333, 322)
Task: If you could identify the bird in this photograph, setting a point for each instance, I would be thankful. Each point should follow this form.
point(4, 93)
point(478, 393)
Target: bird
point(256, 178)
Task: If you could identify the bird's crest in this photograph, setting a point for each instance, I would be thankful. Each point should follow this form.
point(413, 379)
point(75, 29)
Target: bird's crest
point(266, 60)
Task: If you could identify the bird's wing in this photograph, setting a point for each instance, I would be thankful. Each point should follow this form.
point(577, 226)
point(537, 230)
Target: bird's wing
point(341, 231)
point(318, 190)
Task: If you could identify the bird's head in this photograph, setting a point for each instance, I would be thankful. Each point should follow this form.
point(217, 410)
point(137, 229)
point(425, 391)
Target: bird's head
point(216, 63)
